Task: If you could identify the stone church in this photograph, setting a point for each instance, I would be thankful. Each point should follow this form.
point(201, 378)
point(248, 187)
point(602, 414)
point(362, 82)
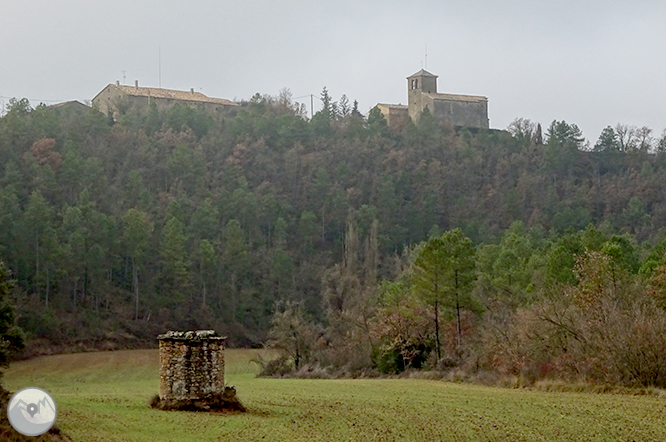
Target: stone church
point(459, 110)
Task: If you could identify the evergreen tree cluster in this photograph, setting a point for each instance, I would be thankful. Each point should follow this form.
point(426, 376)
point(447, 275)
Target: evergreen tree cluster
point(585, 306)
point(117, 230)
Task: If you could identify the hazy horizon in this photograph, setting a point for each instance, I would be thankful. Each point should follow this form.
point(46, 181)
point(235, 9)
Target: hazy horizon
point(592, 63)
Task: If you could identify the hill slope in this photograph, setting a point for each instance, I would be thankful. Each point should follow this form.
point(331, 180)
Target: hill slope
point(117, 231)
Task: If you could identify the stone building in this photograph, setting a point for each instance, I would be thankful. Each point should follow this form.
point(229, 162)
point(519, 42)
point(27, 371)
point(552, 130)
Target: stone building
point(397, 115)
point(114, 99)
point(459, 110)
point(70, 106)
point(191, 365)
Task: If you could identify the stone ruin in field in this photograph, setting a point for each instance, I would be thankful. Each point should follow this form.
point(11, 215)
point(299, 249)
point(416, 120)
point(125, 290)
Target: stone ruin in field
point(192, 373)
point(191, 364)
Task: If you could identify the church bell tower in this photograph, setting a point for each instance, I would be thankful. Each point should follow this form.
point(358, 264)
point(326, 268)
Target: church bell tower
point(422, 82)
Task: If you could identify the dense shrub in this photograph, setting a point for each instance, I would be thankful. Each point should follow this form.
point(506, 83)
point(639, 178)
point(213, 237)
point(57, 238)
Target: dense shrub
point(598, 325)
point(604, 330)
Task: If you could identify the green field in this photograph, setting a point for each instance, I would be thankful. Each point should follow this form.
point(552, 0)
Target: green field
point(103, 397)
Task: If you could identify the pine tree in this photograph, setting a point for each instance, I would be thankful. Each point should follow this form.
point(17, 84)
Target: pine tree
point(136, 237)
point(235, 261)
point(443, 272)
point(607, 141)
point(538, 137)
point(175, 261)
point(207, 262)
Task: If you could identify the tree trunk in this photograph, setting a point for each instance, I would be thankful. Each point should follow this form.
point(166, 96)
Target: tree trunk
point(85, 284)
point(37, 264)
point(135, 282)
point(233, 297)
point(458, 314)
point(106, 292)
point(203, 281)
point(323, 224)
point(439, 345)
point(48, 286)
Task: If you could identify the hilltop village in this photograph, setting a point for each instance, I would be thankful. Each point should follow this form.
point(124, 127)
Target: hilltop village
point(459, 110)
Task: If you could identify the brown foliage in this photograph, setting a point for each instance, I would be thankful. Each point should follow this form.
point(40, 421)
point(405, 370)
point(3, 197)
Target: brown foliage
point(603, 331)
point(44, 153)
point(293, 333)
point(404, 327)
point(469, 323)
point(656, 287)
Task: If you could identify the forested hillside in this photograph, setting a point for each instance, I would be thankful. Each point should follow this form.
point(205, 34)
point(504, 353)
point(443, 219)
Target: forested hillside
point(116, 231)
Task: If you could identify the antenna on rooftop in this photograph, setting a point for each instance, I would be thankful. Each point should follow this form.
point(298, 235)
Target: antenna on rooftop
point(160, 66)
point(123, 77)
point(426, 56)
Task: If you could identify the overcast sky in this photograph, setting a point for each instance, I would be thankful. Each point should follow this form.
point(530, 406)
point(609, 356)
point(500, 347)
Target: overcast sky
point(593, 63)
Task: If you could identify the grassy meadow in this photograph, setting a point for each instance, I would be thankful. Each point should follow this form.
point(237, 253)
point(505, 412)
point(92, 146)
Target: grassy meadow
point(103, 397)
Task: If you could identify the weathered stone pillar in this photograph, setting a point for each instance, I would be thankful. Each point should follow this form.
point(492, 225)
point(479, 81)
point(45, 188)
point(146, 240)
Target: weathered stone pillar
point(191, 365)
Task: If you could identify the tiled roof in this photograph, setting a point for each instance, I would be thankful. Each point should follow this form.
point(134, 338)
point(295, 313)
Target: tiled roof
point(454, 97)
point(72, 103)
point(173, 95)
point(394, 106)
point(422, 73)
